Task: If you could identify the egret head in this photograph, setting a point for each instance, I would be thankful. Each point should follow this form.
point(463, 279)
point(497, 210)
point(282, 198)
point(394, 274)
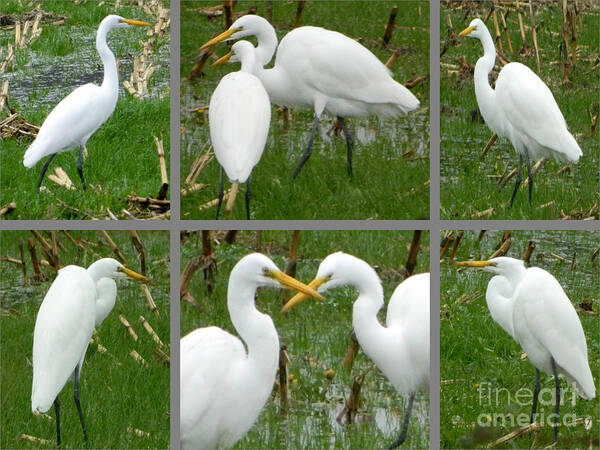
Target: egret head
point(111, 268)
point(337, 269)
point(241, 51)
point(476, 29)
point(248, 25)
point(502, 265)
point(259, 271)
point(114, 21)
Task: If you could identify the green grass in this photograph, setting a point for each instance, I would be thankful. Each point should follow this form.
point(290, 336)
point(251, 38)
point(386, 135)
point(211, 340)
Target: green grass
point(116, 391)
point(469, 183)
point(122, 156)
point(316, 336)
point(478, 358)
point(386, 184)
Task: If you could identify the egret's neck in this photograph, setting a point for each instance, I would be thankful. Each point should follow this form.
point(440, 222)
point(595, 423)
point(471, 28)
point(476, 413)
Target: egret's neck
point(255, 329)
point(97, 271)
point(249, 63)
point(267, 44)
point(111, 77)
point(369, 331)
point(500, 298)
point(486, 96)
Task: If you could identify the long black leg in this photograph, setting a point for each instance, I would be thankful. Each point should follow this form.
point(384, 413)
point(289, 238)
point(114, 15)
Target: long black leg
point(248, 197)
point(349, 142)
point(220, 193)
point(529, 174)
point(76, 397)
point(80, 167)
point(46, 164)
point(518, 182)
point(536, 392)
point(404, 430)
point(57, 411)
point(308, 150)
point(557, 400)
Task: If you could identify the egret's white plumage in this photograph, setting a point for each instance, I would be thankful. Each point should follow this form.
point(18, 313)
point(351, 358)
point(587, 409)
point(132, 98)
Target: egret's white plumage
point(224, 387)
point(106, 296)
point(521, 108)
point(401, 348)
point(322, 70)
point(63, 328)
point(239, 116)
point(78, 116)
point(531, 306)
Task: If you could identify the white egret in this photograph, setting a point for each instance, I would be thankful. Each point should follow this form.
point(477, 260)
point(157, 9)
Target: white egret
point(521, 108)
point(63, 328)
point(223, 388)
point(239, 116)
point(83, 111)
point(531, 306)
point(322, 70)
point(401, 348)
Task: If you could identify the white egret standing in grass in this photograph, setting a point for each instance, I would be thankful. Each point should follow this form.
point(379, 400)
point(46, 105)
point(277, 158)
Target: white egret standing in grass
point(63, 328)
point(322, 70)
point(223, 388)
point(531, 306)
point(401, 348)
point(83, 111)
point(521, 108)
point(239, 116)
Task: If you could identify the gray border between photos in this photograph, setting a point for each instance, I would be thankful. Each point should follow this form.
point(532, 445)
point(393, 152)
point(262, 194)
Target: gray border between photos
point(434, 225)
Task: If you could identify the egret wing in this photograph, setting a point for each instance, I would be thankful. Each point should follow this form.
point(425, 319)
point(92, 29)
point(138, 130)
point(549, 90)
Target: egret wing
point(552, 320)
point(206, 358)
point(63, 328)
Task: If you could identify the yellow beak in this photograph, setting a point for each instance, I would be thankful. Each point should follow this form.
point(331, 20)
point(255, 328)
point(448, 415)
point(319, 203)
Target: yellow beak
point(221, 37)
point(478, 264)
point(299, 298)
point(467, 31)
point(134, 275)
point(137, 23)
point(291, 283)
point(222, 60)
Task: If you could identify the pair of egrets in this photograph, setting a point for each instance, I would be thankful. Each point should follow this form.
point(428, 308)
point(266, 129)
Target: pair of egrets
point(78, 300)
point(224, 388)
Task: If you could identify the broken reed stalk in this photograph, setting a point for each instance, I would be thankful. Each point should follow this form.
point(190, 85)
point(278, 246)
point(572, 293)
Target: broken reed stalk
point(572, 20)
point(498, 38)
point(351, 352)
point(47, 250)
point(8, 208)
point(515, 434)
point(38, 275)
point(128, 327)
point(534, 36)
point(114, 248)
point(23, 265)
point(232, 195)
point(290, 267)
point(136, 356)
point(299, 9)
point(164, 177)
point(506, 33)
point(187, 274)
point(489, 144)
point(227, 6)
point(151, 331)
point(35, 440)
point(413, 253)
point(502, 250)
point(459, 236)
point(149, 300)
point(199, 163)
point(524, 46)
point(389, 29)
point(61, 178)
point(565, 44)
point(137, 243)
point(528, 251)
point(283, 378)
point(445, 243)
